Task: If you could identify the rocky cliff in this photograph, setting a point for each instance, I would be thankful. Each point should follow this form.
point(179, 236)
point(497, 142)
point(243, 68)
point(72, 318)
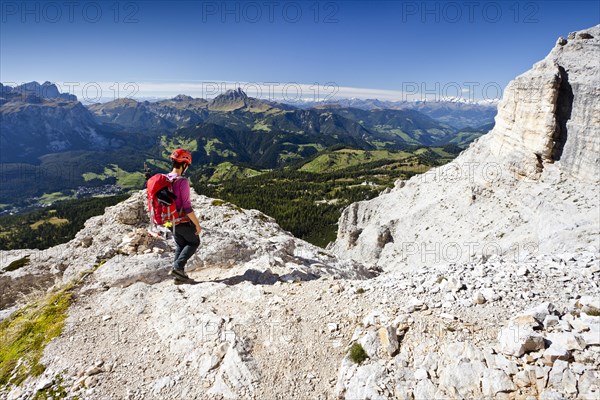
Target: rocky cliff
point(36, 119)
point(527, 187)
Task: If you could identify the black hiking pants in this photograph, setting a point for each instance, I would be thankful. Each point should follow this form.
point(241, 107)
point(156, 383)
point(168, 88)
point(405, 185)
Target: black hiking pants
point(187, 243)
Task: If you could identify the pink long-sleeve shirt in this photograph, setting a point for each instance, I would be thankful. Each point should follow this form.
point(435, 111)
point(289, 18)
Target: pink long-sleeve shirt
point(181, 188)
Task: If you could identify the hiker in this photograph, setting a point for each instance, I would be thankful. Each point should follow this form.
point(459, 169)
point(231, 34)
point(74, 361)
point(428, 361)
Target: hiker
point(187, 228)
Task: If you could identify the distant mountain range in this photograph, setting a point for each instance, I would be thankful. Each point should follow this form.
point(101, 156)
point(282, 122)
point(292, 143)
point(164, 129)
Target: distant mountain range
point(37, 119)
point(38, 124)
point(393, 128)
point(458, 113)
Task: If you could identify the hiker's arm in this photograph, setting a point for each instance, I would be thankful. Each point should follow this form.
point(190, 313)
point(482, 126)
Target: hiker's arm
point(194, 219)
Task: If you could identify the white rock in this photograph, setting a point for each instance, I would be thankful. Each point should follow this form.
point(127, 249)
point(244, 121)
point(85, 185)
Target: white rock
point(489, 294)
point(517, 340)
point(592, 336)
point(454, 284)
point(373, 318)
point(521, 379)
point(415, 304)
point(425, 389)
point(550, 320)
point(44, 383)
point(588, 385)
point(364, 383)
point(388, 339)
point(590, 304)
point(551, 395)
point(448, 316)
point(567, 340)
point(556, 373)
point(540, 312)
point(464, 378)
point(556, 352)
point(579, 325)
point(370, 343)
point(421, 374)
point(479, 298)
point(495, 381)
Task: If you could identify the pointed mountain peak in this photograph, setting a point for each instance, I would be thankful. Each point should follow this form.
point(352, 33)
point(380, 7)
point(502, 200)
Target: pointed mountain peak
point(230, 100)
point(182, 97)
point(233, 95)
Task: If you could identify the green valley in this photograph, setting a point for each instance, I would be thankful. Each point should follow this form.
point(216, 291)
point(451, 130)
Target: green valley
point(307, 198)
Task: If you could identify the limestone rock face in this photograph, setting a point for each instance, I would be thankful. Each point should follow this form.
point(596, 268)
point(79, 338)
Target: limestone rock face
point(528, 187)
point(551, 113)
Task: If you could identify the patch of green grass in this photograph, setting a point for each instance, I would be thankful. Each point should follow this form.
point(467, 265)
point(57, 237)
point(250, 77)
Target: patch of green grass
point(227, 170)
point(381, 144)
point(88, 176)
point(49, 198)
point(211, 147)
point(360, 290)
point(51, 220)
point(288, 156)
point(357, 354)
point(126, 180)
point(15, 265)
point(160, 164)
point(440, 279)
point(172, 143)
point(217, 202)
point(261, 126)
point(316, 146)
point(345, 158)
point(25, 334)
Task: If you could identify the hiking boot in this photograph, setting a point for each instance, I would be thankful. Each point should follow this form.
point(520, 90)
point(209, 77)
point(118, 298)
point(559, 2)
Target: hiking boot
point(179, 273)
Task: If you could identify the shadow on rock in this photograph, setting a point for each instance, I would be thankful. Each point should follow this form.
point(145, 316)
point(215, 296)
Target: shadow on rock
point(267, 277)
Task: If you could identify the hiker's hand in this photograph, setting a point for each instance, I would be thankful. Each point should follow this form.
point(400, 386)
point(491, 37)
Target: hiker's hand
point(198, 229)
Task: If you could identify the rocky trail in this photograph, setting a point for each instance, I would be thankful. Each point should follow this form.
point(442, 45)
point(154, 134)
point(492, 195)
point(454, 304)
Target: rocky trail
point(290, 339)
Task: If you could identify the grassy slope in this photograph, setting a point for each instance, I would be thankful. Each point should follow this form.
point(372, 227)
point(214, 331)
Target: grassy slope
point(227, 170)
point(25, 334)
point(124, 179)
point(345, 158)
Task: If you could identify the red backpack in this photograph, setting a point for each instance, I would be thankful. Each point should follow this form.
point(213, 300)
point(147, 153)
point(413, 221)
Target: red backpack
point(161, 201)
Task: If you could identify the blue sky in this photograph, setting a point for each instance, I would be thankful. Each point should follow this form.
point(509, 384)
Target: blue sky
point(366, 49)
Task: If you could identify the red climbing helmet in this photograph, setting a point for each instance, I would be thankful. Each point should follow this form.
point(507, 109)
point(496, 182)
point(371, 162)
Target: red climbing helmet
point(182, 155)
